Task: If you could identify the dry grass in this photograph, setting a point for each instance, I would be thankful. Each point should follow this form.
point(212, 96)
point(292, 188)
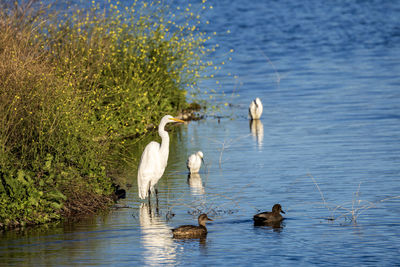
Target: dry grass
point(349, 210)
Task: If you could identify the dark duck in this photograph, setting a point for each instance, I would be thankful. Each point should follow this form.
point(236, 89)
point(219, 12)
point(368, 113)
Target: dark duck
point(269, 217)
point(192, 231)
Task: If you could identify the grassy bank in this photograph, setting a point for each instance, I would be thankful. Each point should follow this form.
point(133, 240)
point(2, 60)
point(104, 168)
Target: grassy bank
point(74, 85)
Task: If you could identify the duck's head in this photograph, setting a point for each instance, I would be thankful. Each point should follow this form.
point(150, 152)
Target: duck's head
point(277, 208)
point(203, 219)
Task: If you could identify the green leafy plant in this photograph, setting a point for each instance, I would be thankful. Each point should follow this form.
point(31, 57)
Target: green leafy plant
point(73, 87)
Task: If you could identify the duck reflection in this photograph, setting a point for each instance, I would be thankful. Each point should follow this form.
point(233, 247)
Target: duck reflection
point(159, 248)
point(196, 184)
point(275, 226)
point(202, 242)
point(257, 130)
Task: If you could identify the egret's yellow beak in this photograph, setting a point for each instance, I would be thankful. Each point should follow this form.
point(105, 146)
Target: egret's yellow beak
point(177, 120)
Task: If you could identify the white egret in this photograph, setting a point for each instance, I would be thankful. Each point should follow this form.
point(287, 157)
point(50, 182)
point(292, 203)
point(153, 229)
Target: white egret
point(154, 160)
point(194, 162)
point(255, 109)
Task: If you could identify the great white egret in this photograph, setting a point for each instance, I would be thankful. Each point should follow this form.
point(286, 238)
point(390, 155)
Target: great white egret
point(255, 109)
point(194, 162)
point(154, 160)
point(269, 217)
point(192, 231)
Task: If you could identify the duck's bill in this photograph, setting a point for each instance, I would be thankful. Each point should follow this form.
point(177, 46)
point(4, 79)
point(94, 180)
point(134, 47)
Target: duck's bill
point(177, 120)
point(209, 219)
point(283, 212)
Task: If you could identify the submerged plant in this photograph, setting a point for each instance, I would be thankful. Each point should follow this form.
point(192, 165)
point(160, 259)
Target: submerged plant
point(349, 210)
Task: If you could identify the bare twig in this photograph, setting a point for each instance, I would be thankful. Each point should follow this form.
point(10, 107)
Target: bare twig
point(356, 208)
point(278, 76)
point(227, 144)
point(319, 190)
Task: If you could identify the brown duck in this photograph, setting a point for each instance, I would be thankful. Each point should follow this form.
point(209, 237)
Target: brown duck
point(192, 231)
point(269, 217)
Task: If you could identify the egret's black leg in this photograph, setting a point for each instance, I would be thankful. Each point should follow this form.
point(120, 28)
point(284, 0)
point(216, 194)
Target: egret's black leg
point(150, 211)
point(149, 196)
point(156, 200)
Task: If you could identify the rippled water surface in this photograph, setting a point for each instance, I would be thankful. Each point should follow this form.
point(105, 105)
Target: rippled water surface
point(328, 143)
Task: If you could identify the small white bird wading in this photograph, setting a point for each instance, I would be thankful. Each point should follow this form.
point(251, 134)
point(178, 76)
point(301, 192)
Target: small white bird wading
point(255, 109)
point(194, 162)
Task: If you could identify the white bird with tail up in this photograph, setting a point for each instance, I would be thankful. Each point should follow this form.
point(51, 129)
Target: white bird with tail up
point(154, 160)
point(255, 109)
point(194, 162)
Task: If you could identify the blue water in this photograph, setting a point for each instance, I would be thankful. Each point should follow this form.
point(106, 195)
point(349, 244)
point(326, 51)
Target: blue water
point(328, 143)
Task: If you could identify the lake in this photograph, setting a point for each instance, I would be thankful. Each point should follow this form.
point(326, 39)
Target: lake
point(327, 148)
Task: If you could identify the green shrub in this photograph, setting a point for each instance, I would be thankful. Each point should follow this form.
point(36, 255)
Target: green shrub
point(130, 68)
point(72, 87)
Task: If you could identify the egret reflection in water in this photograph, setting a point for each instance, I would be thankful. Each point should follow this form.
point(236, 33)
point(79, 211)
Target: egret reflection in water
point(196, 184)
point(257, 130)
point(156, 240)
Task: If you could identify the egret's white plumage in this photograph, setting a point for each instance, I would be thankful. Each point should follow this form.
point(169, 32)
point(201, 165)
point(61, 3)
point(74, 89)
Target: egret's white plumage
point(194, 162)
point(154, 160)
point(255, 109)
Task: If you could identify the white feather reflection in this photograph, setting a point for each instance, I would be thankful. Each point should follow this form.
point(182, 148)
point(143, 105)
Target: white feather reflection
point(257, 130)
point(159, 248)
point(196, 184)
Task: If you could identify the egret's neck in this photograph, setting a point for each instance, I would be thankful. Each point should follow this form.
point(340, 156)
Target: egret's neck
point(164, 142)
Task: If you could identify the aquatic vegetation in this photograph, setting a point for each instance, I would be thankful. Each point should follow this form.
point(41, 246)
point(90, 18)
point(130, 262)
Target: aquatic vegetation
point(349, 210)
point(74, 85)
